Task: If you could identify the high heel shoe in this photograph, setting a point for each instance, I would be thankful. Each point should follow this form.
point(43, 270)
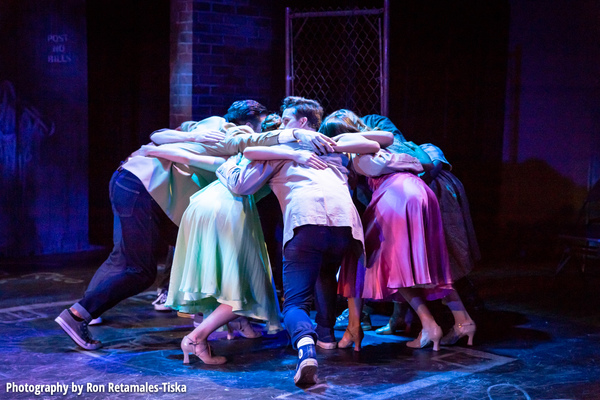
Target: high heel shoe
point(241, 325)
point(355, 336)
point(459, 331)
point(201, 350)
point(425, 337)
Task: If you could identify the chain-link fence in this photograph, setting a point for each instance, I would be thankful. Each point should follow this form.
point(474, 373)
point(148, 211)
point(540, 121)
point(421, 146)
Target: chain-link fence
point(339, 58)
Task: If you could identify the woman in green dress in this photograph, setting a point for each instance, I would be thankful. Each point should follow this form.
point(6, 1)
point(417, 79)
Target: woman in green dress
point(221, 266)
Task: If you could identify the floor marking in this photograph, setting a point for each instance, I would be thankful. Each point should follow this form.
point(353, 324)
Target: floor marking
point(460, 372)
point(329, 391)
point(485, 362)
point(58, 304)
point(90, 353)
point(38, 306)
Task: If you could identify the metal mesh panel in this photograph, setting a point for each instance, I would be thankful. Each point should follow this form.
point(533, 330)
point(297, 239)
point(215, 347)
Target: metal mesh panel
point(336, 58)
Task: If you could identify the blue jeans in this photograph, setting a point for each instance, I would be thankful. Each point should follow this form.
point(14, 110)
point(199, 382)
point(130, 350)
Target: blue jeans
point(313, 254)
point(141, 231)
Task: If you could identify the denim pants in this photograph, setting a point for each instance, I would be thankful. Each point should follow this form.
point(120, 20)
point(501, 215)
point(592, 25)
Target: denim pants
point(141, 230)
point(310, 263)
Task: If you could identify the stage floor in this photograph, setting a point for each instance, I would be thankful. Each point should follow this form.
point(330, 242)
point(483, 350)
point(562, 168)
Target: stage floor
point(538, 338)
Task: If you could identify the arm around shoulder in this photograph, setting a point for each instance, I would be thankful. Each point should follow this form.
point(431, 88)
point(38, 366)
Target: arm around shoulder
point(385, 162)
point(165, 136)
point(244, 180)
point(356, 144)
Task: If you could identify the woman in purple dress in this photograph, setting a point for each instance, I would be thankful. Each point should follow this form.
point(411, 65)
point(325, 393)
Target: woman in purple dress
point(407, 258)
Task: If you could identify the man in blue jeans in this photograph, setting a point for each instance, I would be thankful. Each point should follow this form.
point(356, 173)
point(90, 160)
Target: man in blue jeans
point(321, 224)
point(148, 197)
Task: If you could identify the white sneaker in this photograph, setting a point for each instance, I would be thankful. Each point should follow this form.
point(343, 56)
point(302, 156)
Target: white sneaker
point(96, 321)
point(159, 303)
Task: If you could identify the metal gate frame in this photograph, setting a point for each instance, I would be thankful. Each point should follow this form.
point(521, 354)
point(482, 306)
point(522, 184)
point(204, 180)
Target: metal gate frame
point(383, 47)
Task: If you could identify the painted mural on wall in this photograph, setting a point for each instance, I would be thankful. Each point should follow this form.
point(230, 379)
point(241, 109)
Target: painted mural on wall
point(43, 127)
point(22, 132)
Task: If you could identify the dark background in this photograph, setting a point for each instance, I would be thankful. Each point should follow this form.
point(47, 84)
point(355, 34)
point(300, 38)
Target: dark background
point(447, 84)
point(128, 75)
point(453, 82)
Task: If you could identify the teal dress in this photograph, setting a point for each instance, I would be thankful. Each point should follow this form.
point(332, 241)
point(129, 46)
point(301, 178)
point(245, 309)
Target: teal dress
point(221, 258)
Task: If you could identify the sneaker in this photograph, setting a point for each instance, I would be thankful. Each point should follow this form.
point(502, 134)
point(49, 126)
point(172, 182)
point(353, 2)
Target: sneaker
point(161, 299)
point(306, 369)
point(341, 322)
point(95, 321)
point(78, 331)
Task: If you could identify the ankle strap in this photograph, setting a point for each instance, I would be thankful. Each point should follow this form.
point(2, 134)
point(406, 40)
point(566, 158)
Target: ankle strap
point(190, 340)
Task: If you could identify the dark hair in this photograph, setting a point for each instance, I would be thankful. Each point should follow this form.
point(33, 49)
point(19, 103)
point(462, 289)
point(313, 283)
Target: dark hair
point(243, 111)
point(271, 123)
point(311, 109)
point(341, 121)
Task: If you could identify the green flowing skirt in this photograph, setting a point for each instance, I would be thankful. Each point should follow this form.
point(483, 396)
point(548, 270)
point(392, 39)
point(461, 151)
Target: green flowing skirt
point(221, 258)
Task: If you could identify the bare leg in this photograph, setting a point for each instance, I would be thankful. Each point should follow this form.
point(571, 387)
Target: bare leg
point(219, 317)
point(354, 333)
point(196, 342)
point(416, 301)
point(463, 324)
point(354, 311)
point(431, 331)
point(456, 306)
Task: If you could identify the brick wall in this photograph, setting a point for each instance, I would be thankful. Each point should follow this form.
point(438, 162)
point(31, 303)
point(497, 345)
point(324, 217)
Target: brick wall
point(222, 54)
point(181, 61)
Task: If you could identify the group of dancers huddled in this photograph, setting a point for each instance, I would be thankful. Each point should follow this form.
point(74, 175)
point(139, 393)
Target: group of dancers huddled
point(196, 187)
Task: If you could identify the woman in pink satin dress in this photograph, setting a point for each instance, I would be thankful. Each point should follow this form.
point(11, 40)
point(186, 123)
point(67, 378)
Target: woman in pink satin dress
point(407, 258)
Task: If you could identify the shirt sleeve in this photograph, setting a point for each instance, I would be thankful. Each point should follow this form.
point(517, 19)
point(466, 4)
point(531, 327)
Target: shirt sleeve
point(374, 121)
point(246, 179)
point(192, 147)
point(237, 140)
point(207, 124)
point(287, 136)
point(188, 126)
point(384, 162)
point(435, 153)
